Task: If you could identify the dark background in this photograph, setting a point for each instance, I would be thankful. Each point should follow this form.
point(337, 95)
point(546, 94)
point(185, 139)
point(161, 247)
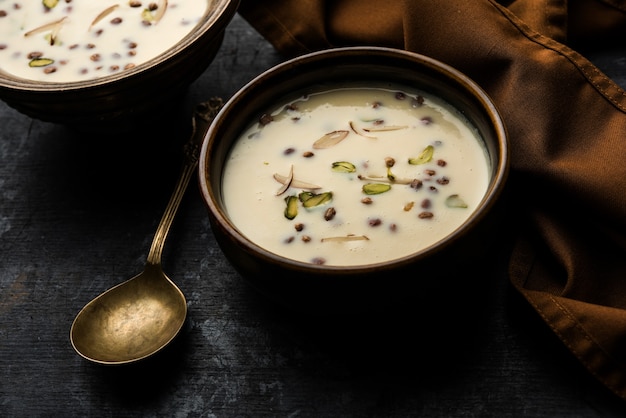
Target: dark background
point(78, 211)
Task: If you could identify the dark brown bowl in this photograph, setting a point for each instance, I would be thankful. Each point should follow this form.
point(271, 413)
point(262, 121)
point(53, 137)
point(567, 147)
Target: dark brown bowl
point(324, 288)
point(126, 98)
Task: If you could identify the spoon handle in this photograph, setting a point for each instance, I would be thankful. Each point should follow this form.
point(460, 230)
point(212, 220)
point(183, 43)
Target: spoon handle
point(202, 118)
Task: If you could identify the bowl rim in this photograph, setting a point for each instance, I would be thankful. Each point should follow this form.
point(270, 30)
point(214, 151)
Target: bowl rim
point(489, 200)
point(214, 20)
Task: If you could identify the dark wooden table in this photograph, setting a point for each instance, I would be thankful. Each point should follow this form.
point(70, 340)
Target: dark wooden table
point(78, 211)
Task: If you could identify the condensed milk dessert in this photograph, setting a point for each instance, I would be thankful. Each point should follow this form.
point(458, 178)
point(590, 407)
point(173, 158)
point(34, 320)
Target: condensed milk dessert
point(73, 40)
point(355, 176)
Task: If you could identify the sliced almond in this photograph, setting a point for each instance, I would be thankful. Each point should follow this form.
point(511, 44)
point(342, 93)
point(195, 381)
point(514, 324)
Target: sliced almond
point(330, 139)
point(160, 11)
point(360, 131)
point(296, 183)
point(346, 238)
point(102, 15)
point(287, 183)
point(48, 26)
point(384, 128)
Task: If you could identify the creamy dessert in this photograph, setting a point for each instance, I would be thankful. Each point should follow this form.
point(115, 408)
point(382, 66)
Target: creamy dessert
point(354, 176)
point(73, 40)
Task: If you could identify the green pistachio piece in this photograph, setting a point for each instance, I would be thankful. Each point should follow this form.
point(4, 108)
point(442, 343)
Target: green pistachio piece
point(454, 201)
point(291, 211)
point(425, 156)
point(344, 167)
point(40, 62)
point(146, 15)
point(376, 188)
point(313, 199)
point(304, 196)
point(50, 3)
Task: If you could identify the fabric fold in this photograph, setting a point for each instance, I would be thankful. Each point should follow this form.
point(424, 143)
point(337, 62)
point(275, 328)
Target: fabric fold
point(567, 128)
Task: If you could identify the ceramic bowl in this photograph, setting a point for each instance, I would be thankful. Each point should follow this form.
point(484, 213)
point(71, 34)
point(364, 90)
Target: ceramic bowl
point(129, 97)
point(320, 287)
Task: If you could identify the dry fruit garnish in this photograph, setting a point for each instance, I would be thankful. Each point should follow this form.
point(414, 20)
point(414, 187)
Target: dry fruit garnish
point(287, 183)
point(40, 62)
point(385, 128)
point(310, 199)
point(455, 201)
point(330, 214)
point(425, 156)
point(291, 210)
point(159, 11)
point(376, 188)
point(330, 139)
point(386, 179)
point(290, 181)
point(53, 27)
point(357, 130)
point(49, 4)
point(346, 238)
point(390, 162)
point(343, 167)
point(103, 14)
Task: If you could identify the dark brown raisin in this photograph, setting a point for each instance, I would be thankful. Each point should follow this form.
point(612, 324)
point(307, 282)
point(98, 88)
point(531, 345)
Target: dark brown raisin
point(375, 222)
point(265, 119)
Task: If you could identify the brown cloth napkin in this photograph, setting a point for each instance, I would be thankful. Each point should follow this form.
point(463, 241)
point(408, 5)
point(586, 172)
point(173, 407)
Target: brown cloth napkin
point(567, 127)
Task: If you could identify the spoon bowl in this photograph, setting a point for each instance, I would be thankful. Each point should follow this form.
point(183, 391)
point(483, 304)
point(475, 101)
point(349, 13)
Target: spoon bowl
point(131, 320)
point(139, 317)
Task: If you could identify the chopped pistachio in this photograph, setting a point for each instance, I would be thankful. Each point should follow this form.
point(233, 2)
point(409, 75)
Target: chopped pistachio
point(291, 210)
point(40, 62)
point(146, 15)
point(455, 201)
point(310, 200)
point(49, 4)
point(376, 188)
point(330, 139)
point(343, 167)
point(425, 156)
point(304, 196)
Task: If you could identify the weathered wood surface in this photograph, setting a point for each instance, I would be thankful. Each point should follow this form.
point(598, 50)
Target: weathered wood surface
point(77, 215)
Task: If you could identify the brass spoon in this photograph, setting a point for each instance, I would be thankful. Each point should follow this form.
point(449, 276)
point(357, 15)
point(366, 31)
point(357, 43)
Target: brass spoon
point(140, 316)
